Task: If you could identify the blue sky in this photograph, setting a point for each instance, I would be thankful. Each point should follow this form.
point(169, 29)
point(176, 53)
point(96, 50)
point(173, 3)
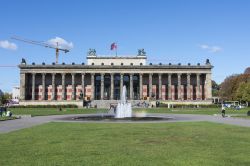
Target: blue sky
point(169, 31)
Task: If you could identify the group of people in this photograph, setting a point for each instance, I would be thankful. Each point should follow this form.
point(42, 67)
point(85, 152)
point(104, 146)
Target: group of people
point(4, 112)
point(142, 104)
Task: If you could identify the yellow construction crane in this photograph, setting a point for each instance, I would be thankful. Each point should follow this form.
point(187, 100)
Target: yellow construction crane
point(42, 44)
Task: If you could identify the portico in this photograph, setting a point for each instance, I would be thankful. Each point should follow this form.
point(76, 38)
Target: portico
point(104, 82)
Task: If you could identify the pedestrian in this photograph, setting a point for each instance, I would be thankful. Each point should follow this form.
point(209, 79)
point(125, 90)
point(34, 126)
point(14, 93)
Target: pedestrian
point(9, 114)
point(223, 112)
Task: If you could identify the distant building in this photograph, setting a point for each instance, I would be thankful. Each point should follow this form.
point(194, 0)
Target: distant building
point(102, 78)
point(16, 93)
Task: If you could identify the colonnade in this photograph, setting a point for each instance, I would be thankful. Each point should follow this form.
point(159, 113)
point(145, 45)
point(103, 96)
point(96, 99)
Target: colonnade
point(176, 86)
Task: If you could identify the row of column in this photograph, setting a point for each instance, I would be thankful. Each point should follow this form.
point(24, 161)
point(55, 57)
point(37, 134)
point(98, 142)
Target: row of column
point(207, 85)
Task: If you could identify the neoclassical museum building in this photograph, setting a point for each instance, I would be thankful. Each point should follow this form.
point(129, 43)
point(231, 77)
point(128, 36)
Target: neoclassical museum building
point(101, 79)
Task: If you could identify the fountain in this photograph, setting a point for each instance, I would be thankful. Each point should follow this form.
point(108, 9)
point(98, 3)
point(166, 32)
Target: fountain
point(123, 112)
point(124, 109)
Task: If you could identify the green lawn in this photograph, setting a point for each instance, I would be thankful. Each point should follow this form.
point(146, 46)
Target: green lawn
point(54, 111)
point(190, 143)
point(204, 111)
point(242, 116)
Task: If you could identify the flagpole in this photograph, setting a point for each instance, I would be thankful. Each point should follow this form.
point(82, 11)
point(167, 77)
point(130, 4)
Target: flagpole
point(116, 51)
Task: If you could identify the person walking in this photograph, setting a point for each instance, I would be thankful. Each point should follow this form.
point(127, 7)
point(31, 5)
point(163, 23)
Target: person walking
point(223, 112)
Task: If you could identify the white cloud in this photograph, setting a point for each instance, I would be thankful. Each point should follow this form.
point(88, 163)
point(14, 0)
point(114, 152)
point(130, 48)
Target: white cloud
point(213, 49)
point(61, 43)
point(8, 45)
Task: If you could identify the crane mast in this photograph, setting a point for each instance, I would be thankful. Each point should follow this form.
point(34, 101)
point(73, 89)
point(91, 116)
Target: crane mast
point(57, 48)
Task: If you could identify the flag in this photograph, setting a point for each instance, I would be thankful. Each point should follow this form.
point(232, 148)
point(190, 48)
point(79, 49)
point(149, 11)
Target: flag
point(113, 46)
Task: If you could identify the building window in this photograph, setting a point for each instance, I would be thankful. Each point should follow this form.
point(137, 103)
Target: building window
point(102, 64)
point(131, 64)
point(112, 64)
point(141, 64)
point(122, 64)
point(93, 64)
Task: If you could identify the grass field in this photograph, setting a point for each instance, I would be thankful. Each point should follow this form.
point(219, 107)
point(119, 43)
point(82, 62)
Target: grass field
point(54, 111)
point(190, 143)
point(204, 111)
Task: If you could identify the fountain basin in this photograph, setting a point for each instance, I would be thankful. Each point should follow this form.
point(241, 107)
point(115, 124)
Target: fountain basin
point(112, 118)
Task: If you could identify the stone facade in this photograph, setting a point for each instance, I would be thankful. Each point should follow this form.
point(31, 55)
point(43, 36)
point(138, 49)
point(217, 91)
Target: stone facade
point(102, 80)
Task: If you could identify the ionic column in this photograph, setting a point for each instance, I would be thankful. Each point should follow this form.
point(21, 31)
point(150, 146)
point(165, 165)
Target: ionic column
point(102, 86)
point(160, 86)
point(179, 86)
point(53, 86)
point(93, 86)
point(43, 85)
point(141, 81)
point(121, 85)
point(33, 85)
point(208, 87)
point(73, 96)
point(169, 87)
point(131, 86)
point(111, 86)
point(198, 87)
point(150, 85)
point(83, 85)
point(22, 86)
point(63, 86)
point(188, 86)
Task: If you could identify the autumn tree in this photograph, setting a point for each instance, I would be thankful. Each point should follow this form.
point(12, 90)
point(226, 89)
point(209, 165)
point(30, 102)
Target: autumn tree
point(227, 87)
point(246, 94)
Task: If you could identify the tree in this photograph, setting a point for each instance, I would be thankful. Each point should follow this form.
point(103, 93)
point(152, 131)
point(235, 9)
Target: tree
point(246, 94)
point(243, 92)
point(4, 98)
point(1, 92)
point(240, 91)
point(229, 87)
point(215, 88)
point(247, 70)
